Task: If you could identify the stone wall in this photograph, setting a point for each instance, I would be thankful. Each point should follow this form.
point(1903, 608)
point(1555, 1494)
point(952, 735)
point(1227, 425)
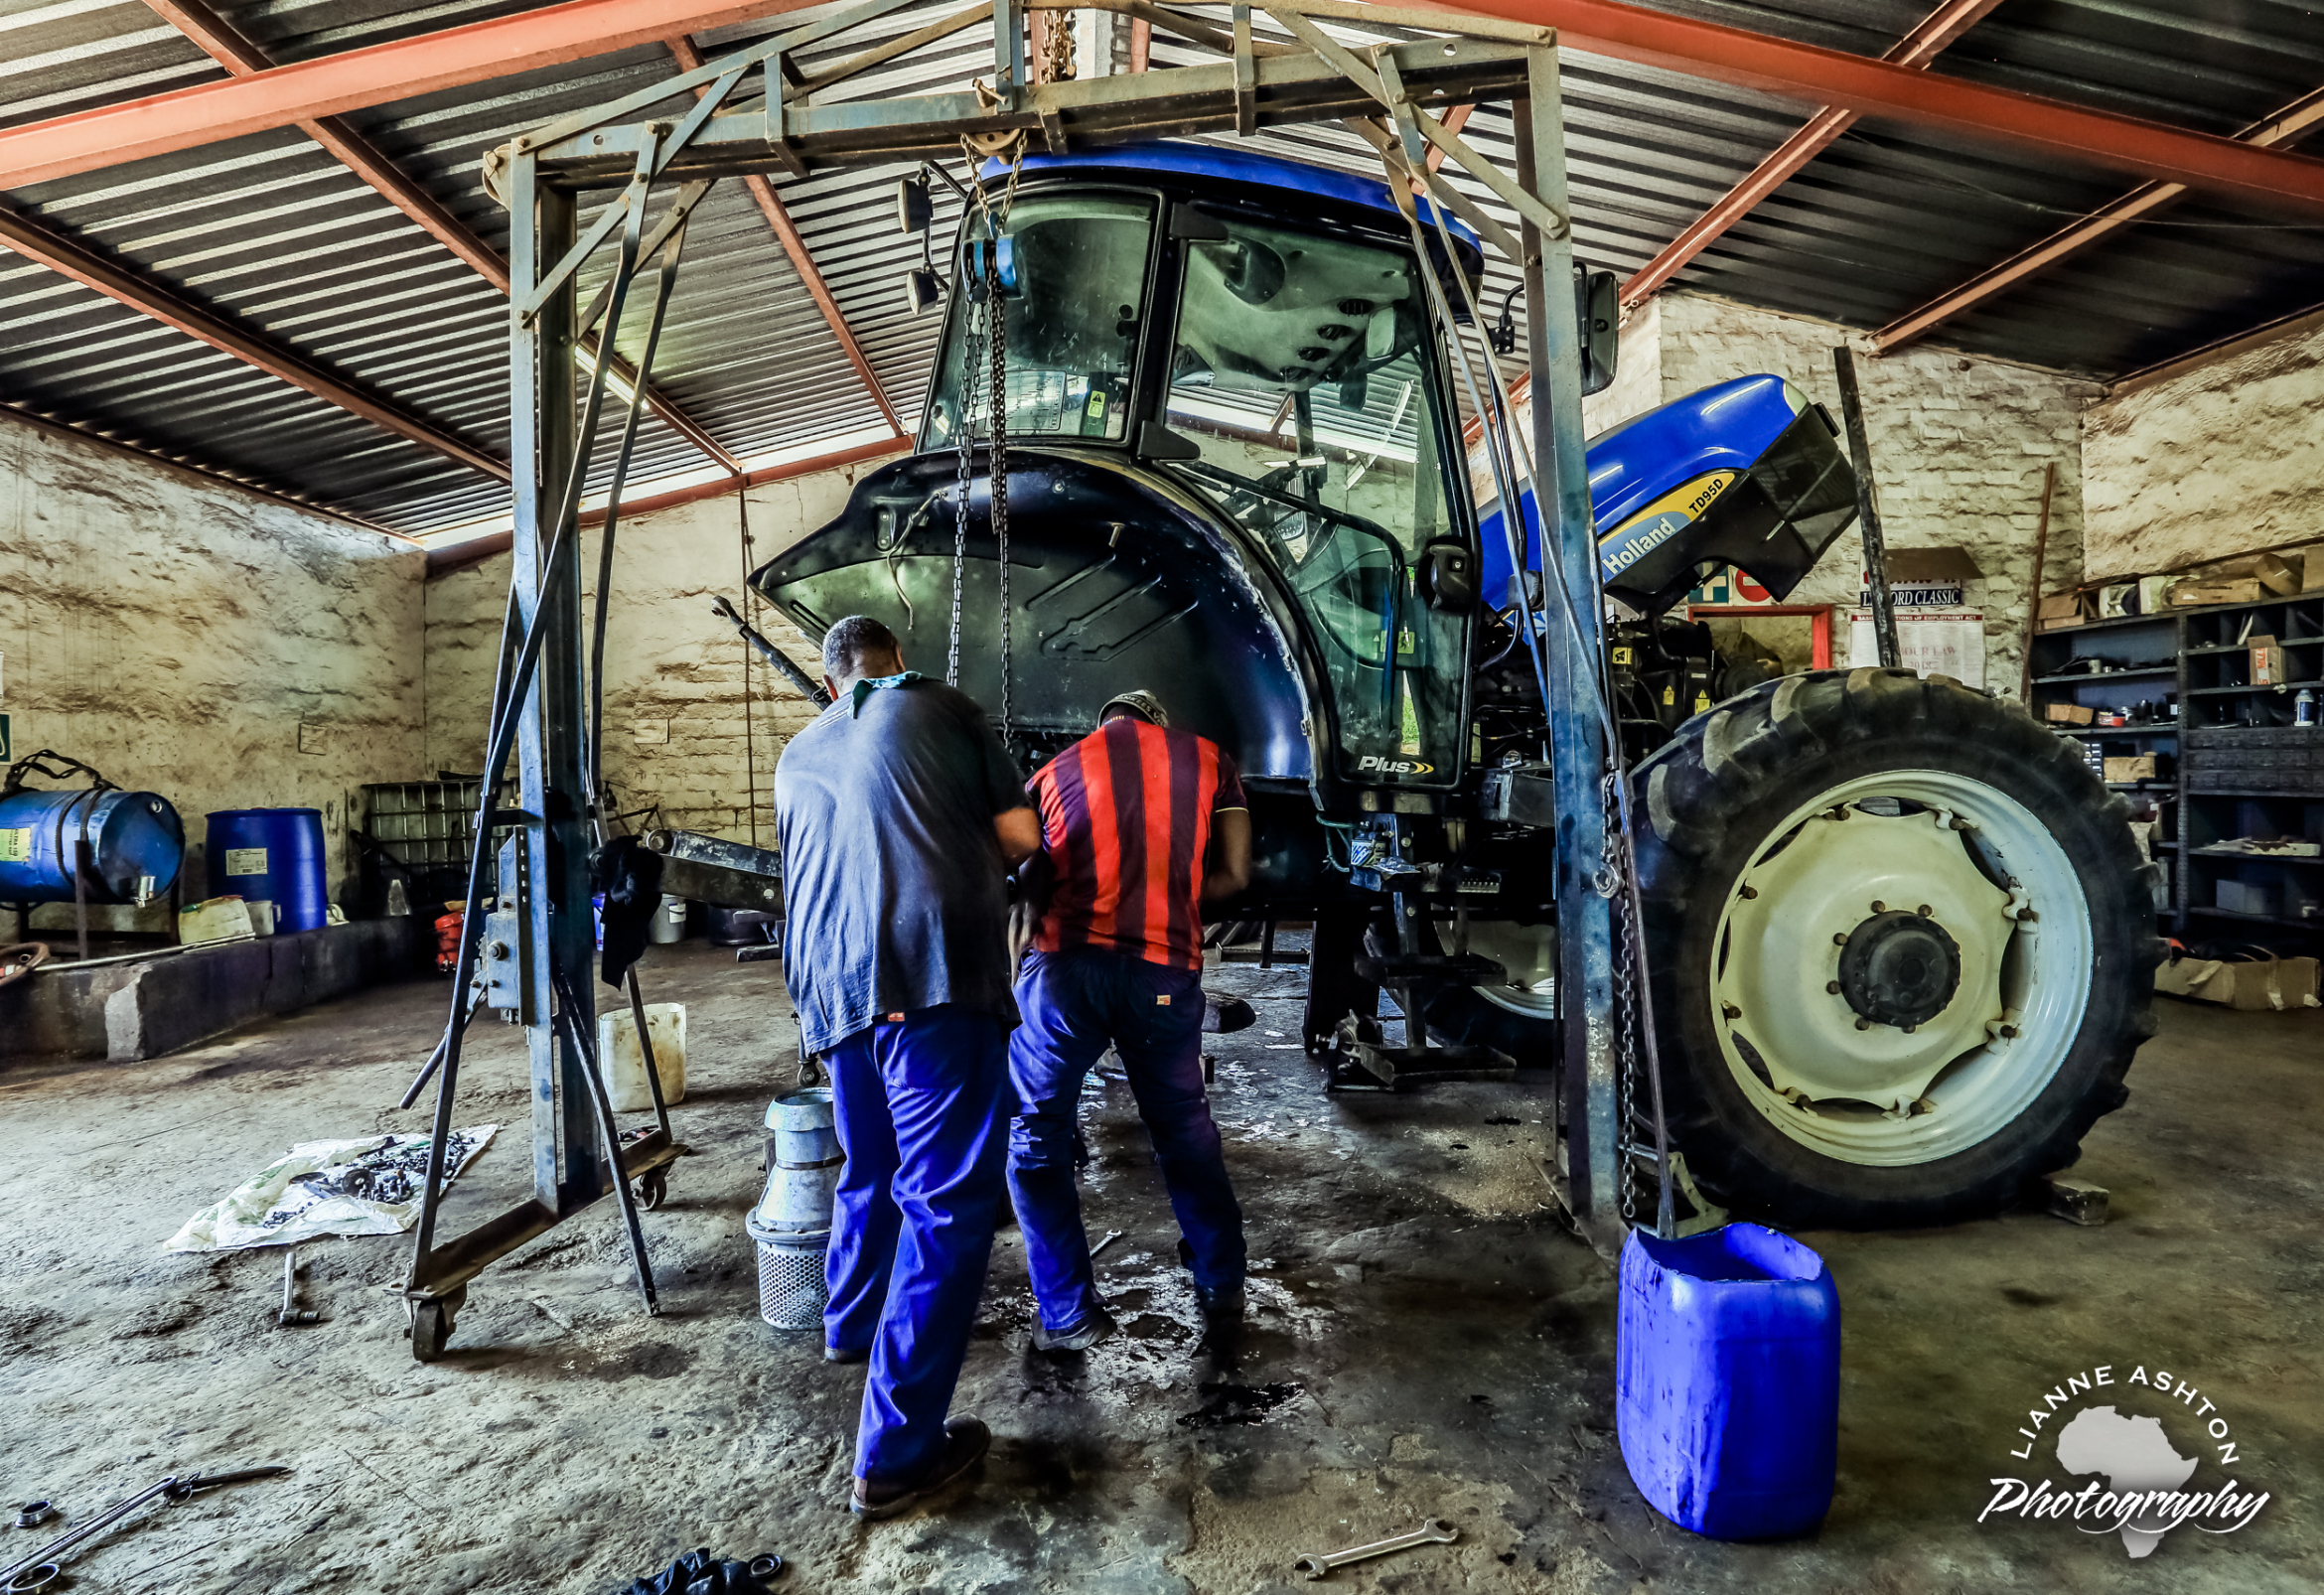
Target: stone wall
point(2225, 458)
point(221, 649)
point(1957, 441)
point(674, 728)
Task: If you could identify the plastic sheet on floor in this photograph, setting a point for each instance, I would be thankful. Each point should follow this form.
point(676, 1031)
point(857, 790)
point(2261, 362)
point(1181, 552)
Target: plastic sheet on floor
point(369, 1185)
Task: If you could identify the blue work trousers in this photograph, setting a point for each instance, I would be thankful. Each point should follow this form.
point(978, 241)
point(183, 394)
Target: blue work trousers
point(1074, 1004)
point(921, 1100)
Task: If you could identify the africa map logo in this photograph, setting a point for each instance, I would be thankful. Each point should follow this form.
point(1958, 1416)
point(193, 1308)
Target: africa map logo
point(2134, 1468)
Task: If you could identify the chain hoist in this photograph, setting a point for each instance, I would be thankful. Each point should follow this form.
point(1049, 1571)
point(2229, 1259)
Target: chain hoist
point(1635, 1133)
point(965, 429)
point(986, 344)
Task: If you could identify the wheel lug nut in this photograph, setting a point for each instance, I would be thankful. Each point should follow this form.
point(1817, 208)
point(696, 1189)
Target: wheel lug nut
point(1838, 939)
point(1863, 1024)
point(1925, 912)
point(1909, 1029)
point(1879, 907)
point(1730, 1010)
point(2008, 1032)
point(1750, 892)
point(1831, 986)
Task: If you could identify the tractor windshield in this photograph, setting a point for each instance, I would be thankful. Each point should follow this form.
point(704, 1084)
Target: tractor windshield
point(1303, 373)
point(1071, 324)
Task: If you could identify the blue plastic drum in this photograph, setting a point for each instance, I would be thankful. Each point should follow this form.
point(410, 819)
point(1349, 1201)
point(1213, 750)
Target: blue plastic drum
point(1727, 1380)
point(272, 855)
point(136, 842)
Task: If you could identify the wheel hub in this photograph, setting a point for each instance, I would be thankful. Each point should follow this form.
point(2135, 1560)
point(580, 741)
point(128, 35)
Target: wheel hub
point(1898, 968)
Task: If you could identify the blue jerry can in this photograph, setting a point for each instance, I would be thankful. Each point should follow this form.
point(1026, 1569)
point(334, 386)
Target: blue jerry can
point(1727, 1380)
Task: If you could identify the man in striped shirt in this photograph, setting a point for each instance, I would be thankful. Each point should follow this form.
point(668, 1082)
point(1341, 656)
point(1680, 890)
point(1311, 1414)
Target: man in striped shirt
point(1140, 826)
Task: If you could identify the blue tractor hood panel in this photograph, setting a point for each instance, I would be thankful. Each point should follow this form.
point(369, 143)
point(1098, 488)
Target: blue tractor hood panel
point(1747, 473)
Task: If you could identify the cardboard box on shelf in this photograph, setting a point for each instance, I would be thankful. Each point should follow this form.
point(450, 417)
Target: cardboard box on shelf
point(2061, 610)
point(2151, 591)
point(2140, 768)
point(2311, 562)
point(2279, 983)
point(2069, 714)
point(2277, 574)
point(2266, 661)
point(2194, 590)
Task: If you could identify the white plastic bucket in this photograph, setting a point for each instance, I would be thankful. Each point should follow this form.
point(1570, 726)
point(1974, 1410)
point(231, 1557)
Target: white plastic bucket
point(625, 1066)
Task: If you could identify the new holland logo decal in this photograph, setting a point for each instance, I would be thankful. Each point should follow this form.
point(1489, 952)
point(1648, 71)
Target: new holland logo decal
point(1659, 522)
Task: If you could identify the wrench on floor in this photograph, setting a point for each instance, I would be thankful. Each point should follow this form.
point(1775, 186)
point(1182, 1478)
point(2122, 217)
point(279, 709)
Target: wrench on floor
point(1111, 1235)
point(1433, 1531)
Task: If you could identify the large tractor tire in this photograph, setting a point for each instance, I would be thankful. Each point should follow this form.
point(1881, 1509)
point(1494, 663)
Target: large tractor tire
point(1902, 944)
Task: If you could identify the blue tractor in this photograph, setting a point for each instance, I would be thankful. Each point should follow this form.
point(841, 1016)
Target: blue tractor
point(1900, 940)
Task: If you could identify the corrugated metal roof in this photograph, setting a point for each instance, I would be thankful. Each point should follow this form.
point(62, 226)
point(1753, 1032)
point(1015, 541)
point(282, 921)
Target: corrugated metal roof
point(273, 230)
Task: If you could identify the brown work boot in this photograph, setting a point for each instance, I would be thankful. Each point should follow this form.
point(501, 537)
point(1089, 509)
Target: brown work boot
point(965, 1442)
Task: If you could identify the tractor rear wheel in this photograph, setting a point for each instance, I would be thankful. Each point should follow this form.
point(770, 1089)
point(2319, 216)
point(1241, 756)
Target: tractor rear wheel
point(1902, 944)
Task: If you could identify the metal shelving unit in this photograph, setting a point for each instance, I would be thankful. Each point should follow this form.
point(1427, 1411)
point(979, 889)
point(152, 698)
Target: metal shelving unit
point(2238, 766)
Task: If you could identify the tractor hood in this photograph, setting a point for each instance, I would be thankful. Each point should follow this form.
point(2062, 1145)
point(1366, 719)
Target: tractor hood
point(1747, 473)
point(1118, 579)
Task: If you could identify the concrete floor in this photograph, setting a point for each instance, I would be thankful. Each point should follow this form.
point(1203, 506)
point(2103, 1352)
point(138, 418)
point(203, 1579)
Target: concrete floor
point(1429, 1341)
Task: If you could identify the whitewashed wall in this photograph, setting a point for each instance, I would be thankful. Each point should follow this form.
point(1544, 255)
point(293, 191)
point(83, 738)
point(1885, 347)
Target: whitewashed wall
point(2223, 458)
point(219, 648)
point(675, 726)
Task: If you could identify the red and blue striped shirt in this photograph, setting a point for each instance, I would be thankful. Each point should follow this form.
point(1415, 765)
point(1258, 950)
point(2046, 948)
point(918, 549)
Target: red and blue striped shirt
point(1125, 819)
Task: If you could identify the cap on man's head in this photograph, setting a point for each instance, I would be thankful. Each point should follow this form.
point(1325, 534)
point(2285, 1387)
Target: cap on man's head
point(1137, 700)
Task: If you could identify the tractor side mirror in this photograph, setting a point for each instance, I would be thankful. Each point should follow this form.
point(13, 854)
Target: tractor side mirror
point(1597, 311)
point(1447, 577)
point(913, 211)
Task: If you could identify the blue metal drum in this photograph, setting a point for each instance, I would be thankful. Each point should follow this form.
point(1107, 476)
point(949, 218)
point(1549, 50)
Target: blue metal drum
point(136, 842)
point(272, 855)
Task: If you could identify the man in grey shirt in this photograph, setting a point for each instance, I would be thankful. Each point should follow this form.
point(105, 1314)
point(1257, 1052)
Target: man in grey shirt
point(900, 814)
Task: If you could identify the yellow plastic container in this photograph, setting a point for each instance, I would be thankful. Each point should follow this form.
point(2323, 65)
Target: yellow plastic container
point(625, 1065)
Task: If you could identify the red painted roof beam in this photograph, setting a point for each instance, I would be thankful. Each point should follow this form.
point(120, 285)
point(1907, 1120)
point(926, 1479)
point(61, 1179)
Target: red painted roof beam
point(1915, 50)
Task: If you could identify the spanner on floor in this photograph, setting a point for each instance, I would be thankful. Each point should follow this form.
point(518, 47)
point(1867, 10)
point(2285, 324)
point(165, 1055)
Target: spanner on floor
point(1434, 1531)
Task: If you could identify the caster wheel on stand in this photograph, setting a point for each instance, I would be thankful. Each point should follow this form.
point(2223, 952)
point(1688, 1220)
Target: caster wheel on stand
point(432, 1322)
point(653, 1190)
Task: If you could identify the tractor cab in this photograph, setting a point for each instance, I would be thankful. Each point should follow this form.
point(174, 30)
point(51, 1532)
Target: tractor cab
point(1160, 305)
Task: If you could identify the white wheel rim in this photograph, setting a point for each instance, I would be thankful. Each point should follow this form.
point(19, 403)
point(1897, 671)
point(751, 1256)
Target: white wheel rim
point(1529, 953)
point(1880, 1094)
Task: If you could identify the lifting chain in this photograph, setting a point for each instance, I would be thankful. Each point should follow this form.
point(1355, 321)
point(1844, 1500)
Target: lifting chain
point(1641, 1137)
point(986, 343)
point(963, 430)
point(1628, 1120)
point(997, 465)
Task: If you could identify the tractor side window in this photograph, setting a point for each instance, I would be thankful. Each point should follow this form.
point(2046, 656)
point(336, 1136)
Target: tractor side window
point(1072, 322)
point(1304, 373)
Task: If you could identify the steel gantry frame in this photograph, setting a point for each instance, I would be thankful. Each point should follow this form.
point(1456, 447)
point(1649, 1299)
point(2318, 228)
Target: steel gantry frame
point(742, 113)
